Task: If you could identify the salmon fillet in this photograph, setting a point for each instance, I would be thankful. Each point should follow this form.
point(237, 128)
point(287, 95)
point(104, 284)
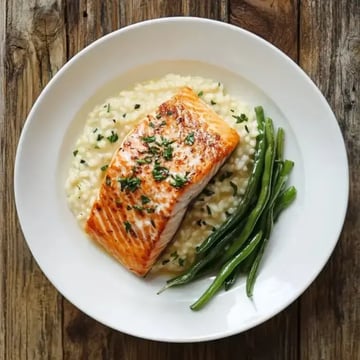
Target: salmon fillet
point(162, 164)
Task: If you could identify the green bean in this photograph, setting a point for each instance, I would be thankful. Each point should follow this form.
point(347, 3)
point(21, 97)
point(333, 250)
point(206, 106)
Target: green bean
point(231, 279)
point(225, 271)
point(251, 188)
point(197, 266)
point(264, 192)
point(250, 280)
point(284, 200)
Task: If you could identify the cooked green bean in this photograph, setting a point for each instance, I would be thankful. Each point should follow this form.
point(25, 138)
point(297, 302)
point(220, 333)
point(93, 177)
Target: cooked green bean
point(264, 195)
point(225, 271)
point(251, 188)
point(284, 200)
point(191, 273)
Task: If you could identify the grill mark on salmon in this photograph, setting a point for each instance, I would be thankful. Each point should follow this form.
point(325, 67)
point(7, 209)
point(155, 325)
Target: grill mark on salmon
point(162, 164)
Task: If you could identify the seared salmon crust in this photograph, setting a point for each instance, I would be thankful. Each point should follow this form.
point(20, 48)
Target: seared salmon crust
point(162, 164)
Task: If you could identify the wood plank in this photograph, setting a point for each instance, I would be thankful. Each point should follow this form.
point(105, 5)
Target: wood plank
point(330, 54)
point(274, 20)
point(2, 176)
point(34, 51)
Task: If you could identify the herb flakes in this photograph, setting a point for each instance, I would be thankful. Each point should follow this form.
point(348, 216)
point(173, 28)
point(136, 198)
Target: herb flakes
point(129, 183)
point(190, 139)
point(128, 226)
point(234, 187)
point(144, 199)
point(137, 106)
point(75, 152)
point(240, 119)
point(179, 181)
point(113, 137)
point(104, 167)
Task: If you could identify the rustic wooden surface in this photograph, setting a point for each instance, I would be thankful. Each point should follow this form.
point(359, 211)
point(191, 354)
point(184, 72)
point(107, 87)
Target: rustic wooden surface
point(37, 37)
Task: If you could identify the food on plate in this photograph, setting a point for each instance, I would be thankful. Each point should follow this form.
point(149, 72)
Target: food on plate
point(161, 165)
point(239, 243)
point(110, 122)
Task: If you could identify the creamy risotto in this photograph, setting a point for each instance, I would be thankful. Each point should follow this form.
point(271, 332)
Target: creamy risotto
point(108, 124)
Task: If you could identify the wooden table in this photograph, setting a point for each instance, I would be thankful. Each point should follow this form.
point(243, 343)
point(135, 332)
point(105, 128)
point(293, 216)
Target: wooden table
point(37, 37)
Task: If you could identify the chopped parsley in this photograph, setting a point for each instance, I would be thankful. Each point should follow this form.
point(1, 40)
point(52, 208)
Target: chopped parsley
point(189, 140)
point(208, 210)
point(128, 226)
point(137, 106)
point(165, 261)
point(219, 83)
point(114, 121)
point(138, 208)
point(95, 130)
point(166, 142)
point(148, 139)
point(129, 183)
point(200, 93)
point(108, 108)
point(82, 161)
point(234, 187)
point(154, 150)
point(124, 115)
point(168, 152)
point(174, 255)
point(158, 116)
point(113, 137)
point(108, 180)
point(181, 261)
point(104, 167)
point(208, 192)
point(144, 199)
point(150, 210)
point(247, 129)
point(225, 175)
point(145, 160)
point(151, 124)
point(169, 113)
point(128, 207)
point(163, 123)
point(160, 172)
point(241, 118)
point(179, 181)
point(75, 152)
point(212, 102)
point(99, 137)
point(232, 110)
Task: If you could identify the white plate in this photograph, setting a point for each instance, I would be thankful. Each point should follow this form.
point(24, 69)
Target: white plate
point(248, 66)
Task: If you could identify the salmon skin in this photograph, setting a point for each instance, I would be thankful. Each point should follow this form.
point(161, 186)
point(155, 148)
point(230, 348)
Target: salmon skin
point(162, 164)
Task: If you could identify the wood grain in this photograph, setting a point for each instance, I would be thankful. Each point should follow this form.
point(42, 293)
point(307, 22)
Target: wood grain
point(330, 54)
point(34, 51)
point(36, 38)
point(273, 20)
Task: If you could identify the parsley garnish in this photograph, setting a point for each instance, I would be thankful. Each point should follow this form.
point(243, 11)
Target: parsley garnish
point(138, 208)
point(181, 261)
point(128, 207)
point(113, 137)
point(145, 160)
point(241, 118)
point(151, 124)
point(234, 187)
point(164, 262)
point(150, 210)
point(137, 106)
point(225, 175)
point(75, 152)
point(144, 199)
point(189, 140)
point(154, 150)
point(104, 167)
point(82, 161)
point(247, 129)
point(208, 210)
point(163, 123)
point(174, 255)
point(128, 226)
point(99, 137)
point(129, 183)
point(107, 180)
point(169, 113)
point(178, 181)
point(158, 116)
point(160, 172)
point(95, 130)
point(148, 139)
point(200, 93)
point(124, 115)
point(208, 192)
point(108, 108)
point(212, 102)
point(168, 152)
